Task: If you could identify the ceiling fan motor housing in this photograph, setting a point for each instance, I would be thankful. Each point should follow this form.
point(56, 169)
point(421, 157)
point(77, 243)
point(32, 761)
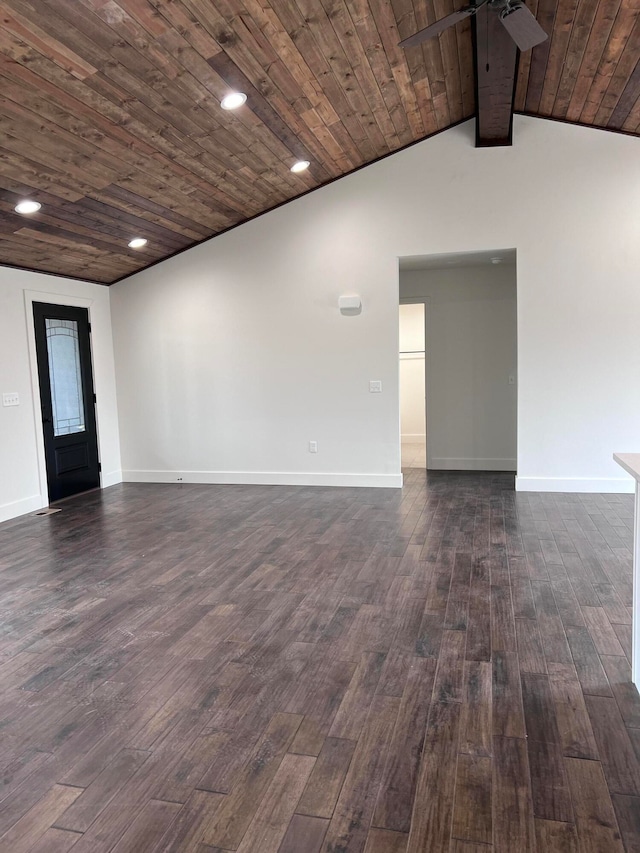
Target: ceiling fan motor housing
point(507, 8)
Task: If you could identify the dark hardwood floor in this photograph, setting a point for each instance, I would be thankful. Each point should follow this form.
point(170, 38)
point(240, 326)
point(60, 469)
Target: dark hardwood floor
point(297, 670)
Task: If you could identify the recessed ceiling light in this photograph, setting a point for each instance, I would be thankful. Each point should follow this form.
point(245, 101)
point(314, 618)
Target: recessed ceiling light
point(300, 166)
point(233, 100)
point(137, 243)
point(496, 260)
point(26, 207)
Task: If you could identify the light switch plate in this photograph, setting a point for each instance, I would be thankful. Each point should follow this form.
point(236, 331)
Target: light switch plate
point(11, 399)
point(375, 386)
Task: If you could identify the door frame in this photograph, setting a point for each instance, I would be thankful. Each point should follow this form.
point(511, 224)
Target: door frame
point(420, 300)
point(31, 296)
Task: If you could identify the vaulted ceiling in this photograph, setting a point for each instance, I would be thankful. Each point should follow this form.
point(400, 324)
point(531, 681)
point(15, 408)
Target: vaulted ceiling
point(110, 109)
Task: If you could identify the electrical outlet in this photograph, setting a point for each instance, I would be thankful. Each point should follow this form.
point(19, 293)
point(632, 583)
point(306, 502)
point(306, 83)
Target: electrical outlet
point(375, 386)
point(512, 379)
point(11, 399)
point(313, 447)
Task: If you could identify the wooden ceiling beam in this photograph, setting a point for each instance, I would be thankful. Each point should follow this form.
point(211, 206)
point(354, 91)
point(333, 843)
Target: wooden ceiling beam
point(496, 58)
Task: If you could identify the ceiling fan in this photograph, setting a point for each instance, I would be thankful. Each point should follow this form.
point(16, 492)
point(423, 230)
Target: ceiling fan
point(514, 16)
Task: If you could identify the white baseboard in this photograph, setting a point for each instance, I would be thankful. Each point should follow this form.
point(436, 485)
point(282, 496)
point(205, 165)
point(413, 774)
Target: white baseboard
point(622, 485)
point(13, 510)
point(110, 479)
point(453, 463)
point(413, 437)
point(265, 478)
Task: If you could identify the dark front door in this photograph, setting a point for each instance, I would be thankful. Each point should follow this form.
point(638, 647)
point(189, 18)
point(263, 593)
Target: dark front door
point(67, 401)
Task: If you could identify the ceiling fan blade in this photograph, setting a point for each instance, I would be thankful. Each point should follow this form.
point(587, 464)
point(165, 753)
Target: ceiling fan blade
point(439, 27)
point(521, 25)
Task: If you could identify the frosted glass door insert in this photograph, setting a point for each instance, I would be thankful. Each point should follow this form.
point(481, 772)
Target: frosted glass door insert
point(65, 376)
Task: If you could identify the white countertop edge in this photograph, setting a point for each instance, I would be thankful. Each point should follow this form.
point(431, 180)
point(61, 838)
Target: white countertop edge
point(630, 462)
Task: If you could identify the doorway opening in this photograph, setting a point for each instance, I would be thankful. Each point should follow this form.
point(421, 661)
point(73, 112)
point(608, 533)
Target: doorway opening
point(458, 361)
point(413, 415)
point(67, 399)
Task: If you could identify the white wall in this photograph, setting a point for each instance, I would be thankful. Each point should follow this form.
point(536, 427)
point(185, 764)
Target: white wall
point(231, 356)
point(412, 372)
point(23, 485)
point(472, 352)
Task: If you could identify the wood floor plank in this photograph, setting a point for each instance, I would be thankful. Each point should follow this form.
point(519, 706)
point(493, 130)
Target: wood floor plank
point(625, 637)
point(396, 668)
point(433, 812)
point(148, 827)
point(574, 725)
point(539, 709)
point(269, 825)
point(352, 713)
point(503, 632)
point(530, 654)
point(321, 695)
point(234, 815)
point(430, 635)
point(619, 761)
point(618, 671)
point(513, 827)
point(627, 811)
point(397, 790)
point(507, 709)
point(476, 730)
point(549, 786)
point(479, 625)
point(309, 738)
point(353, 812)
point(321, 793)
point(81, 814)
point(566, 602)
point(595, 819)
point(601, 631)
point(187, 774)
point(117, 817)
point(385, 841)
point(28, 830)
point(472, 819)
point(304, 833)
point(552, 633)
point(448, 684)
point(523, 604)
point(591, 674)
point(555, 837)
point(55, 841)
point(185, 832)
point(613, 607)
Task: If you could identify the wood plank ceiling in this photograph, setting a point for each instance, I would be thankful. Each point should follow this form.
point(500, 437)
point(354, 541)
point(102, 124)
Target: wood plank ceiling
point(110, 113)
